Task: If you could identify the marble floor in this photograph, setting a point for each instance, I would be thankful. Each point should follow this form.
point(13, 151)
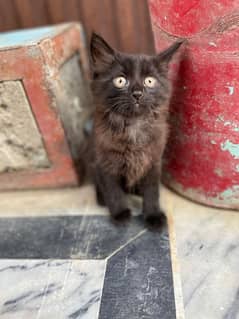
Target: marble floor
point(62, 257)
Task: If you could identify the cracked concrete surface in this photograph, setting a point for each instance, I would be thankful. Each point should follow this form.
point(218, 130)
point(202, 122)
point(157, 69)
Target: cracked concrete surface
point(21, 145)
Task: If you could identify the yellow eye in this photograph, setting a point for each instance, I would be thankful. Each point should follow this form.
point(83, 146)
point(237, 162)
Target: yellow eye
point(120, 82)
point(150, 82)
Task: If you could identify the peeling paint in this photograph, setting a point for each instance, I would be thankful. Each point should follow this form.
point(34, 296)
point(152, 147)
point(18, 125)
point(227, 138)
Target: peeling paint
point(230, 192)
point(218, 172)
point(212, 44)
point(232, 148)
point(231, 89)
point(220, 199)
point(237, 168)
point(220, 118)
point(227, 123)
point(213, 142)
point(233, 125)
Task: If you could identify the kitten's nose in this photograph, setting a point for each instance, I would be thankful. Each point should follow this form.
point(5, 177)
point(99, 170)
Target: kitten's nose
point(137, 94)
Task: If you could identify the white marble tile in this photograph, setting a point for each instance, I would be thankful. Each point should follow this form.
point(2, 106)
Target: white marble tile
point(55, 202)
point(208, 249)
point(49, 289)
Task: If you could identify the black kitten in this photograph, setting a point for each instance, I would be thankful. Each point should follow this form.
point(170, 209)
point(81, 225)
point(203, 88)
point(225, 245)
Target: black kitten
point(131, 95)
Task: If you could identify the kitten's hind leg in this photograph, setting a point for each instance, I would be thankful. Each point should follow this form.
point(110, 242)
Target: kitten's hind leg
point(153, 215)
point(113, 195)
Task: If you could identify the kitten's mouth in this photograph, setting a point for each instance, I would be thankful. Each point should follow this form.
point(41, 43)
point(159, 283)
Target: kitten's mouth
point(137, 109)
point(137, 103)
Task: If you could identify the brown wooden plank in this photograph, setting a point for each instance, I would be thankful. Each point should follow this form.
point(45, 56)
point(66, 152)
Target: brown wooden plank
point(55, 11)
point(124, 24)
point(39, 10)
point(108, 27)
point(92, 12)
point(8, 16)
point(127, 26)
point(31, 13)
point(143, 27)
point(72, 10)
point(61, 10)
point(24, 12)
point(94, 17)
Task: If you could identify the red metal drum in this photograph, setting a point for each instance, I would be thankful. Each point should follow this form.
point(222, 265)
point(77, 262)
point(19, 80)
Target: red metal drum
point(202, 158)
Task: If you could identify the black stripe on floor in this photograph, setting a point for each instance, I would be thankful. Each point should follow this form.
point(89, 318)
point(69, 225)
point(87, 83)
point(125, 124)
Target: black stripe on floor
point(139, 281)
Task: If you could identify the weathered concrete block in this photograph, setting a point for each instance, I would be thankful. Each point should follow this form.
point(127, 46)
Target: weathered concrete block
point(44, 102)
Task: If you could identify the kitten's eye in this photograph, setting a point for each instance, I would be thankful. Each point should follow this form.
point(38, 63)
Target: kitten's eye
point(120, 82)
point(150, 82)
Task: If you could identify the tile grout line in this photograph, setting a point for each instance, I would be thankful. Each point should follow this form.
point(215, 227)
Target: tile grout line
point(102, 289)
point(128, 242)
point(178, 293)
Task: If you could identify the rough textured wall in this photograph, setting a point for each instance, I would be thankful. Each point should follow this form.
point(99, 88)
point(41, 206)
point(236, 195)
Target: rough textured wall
point(21, 146)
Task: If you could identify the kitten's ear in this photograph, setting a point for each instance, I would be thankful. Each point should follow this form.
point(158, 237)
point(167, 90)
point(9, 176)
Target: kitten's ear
point(165, 56)
point(101, 52)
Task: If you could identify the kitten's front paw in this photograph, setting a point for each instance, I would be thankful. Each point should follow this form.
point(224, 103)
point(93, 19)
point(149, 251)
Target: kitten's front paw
point(156, 220)
point(122, 215)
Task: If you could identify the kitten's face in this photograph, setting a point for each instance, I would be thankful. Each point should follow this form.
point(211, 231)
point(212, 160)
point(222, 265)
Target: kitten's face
point(129, 85)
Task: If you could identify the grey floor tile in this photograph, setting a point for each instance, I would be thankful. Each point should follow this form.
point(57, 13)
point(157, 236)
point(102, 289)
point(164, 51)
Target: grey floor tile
point(139, 282)
point(84, 237)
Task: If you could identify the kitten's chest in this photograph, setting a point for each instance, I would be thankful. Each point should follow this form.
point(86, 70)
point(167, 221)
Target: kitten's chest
point(137, 133)
point(135, 163)
point(129, 153)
